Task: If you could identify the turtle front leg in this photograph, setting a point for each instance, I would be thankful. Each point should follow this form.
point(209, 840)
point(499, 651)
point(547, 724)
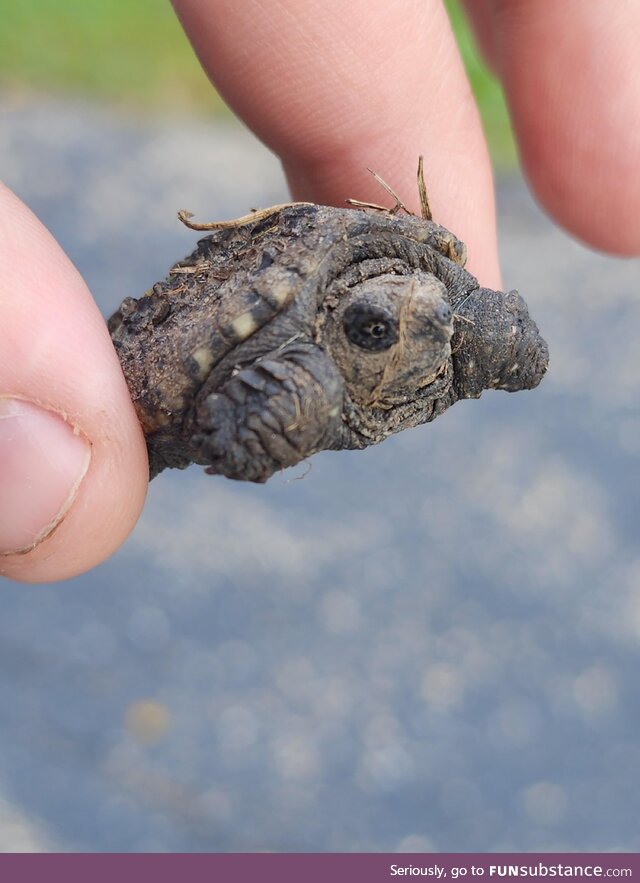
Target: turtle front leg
point(274, 414)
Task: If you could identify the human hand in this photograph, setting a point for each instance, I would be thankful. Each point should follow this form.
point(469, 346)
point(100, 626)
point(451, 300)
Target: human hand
point(70, 442)
point(331, 87)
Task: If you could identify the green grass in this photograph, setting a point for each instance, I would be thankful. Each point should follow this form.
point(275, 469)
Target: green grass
point(133, 53)
point(487, 91)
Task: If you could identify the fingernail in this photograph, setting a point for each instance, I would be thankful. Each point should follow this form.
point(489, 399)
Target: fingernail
point(42, 462)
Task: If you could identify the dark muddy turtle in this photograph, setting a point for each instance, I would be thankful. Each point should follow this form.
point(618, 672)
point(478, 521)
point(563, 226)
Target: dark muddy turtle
point(303, 328)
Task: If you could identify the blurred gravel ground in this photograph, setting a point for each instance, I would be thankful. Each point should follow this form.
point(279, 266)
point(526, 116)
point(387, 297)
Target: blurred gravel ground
point(430, 645)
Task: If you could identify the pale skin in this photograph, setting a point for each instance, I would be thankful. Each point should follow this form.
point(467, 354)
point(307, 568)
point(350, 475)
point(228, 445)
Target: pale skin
point(332, 87)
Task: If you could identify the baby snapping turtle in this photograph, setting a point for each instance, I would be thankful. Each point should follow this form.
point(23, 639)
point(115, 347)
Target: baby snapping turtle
point(304, 328)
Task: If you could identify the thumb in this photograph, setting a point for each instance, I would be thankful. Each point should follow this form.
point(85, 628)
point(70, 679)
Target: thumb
point(73, 467)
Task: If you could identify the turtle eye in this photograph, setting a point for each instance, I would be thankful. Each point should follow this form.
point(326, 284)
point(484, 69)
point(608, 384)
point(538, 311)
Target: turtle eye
point(370, 327)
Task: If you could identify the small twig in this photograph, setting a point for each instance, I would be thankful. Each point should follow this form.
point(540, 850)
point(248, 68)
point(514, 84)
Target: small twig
point(422, 190)
point(185, 217)
point(175, 271)
point(360, 204)
point(399, 203)
point(463, 319)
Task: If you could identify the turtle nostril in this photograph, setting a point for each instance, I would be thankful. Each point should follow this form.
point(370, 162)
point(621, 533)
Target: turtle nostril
point(443, 313)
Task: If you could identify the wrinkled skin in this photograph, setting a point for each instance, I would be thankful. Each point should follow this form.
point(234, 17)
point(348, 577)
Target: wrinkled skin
point(314, 328)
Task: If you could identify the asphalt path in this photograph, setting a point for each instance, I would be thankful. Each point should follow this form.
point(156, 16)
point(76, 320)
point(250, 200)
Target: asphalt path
point(429, 645)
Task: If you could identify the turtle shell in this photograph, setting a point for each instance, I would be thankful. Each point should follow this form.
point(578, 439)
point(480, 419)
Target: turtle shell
point(255, 284)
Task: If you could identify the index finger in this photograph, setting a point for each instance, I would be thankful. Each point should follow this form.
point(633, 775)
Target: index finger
point(334, 88)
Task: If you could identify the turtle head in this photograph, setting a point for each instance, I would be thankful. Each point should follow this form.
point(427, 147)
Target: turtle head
point(390, 337)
